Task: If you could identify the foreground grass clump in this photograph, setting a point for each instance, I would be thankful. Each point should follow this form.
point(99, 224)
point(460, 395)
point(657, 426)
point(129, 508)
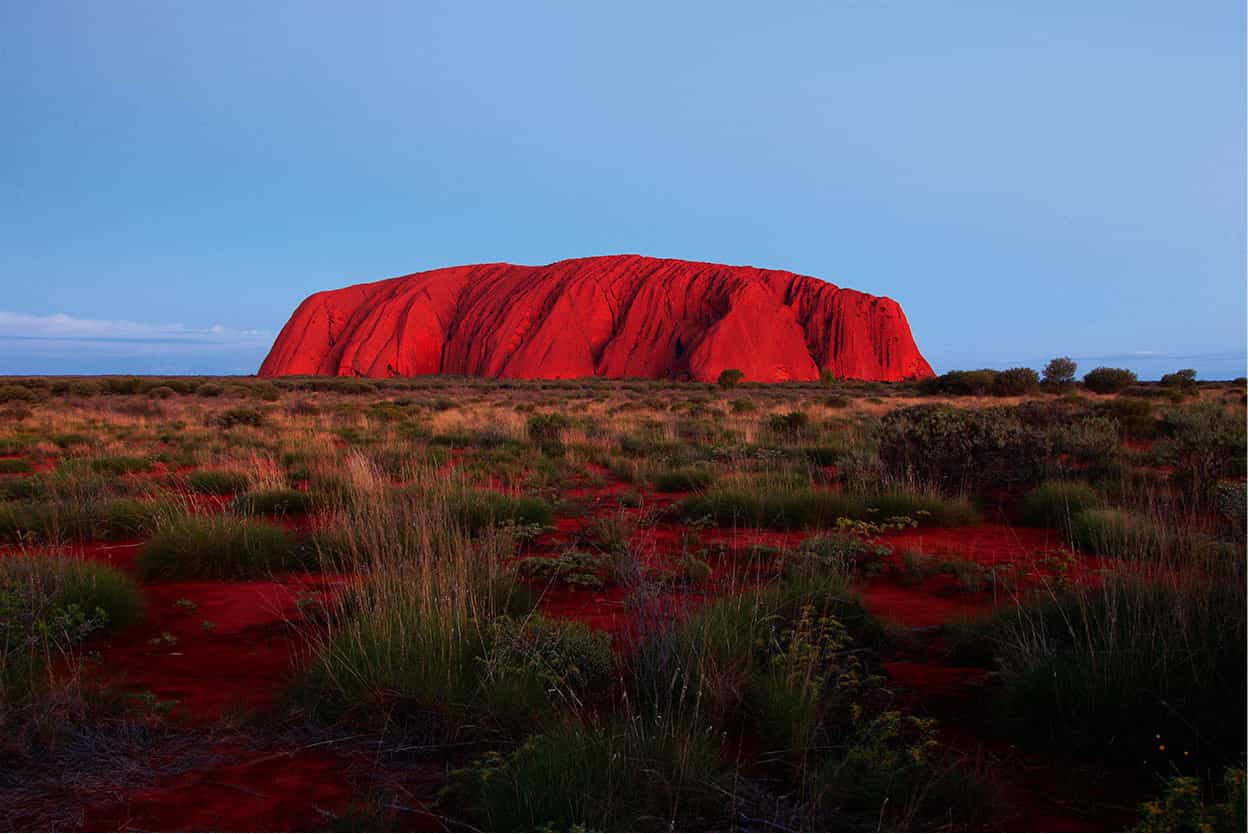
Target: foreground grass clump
point(623, 774)
point(683, 480)
point(1116, 533)
point(1135, 669)
point(435, 624)
point(476, 510)
point(69, 520)
point(785, 505)
point(273, 502)
point(1184, 806)
point(1056, 503)
point(48, 606)
point(217, 482)
point(217, 547)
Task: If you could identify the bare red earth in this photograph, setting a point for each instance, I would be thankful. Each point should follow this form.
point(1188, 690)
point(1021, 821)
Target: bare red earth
point(615, 316)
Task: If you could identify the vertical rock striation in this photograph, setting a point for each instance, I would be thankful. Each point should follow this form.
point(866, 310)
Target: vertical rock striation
point(614, 316)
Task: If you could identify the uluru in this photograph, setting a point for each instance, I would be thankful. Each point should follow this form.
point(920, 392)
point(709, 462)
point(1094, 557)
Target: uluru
point(614, 316)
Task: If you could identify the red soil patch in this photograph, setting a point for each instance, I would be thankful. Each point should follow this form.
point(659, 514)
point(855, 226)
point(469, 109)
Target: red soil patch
point(241, 662)
point(919, 606)
point(934, 678)
point(263, 792)
point(988, 544)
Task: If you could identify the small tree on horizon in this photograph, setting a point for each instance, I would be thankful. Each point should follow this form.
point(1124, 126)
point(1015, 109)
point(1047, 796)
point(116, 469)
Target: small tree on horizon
point(729, 377)
point(1060, 372)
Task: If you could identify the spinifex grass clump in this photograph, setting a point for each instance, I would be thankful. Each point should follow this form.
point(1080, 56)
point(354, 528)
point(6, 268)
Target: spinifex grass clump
point(1118, 533)
point(622, 773)
point(434, 623)
point(787, 504)
point(70, 520)
point(1057, 503)
point(683, 480)
point(1139, 668)
point(476, 510)
point(217, 482)
point(49, 604)
point(217, 547)
point(273, 502)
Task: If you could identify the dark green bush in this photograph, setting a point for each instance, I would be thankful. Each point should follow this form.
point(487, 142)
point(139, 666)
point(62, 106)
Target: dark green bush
point(232, 417)
point(1056, 503)
point(49, 605)
point(1116, 533)
point(960, 383)
point(477, 510)
point(962, 450)
point(1014, 382)
point(273, 502)
point(619, 775)
point(1060, 372)
point(1135, 670)
point(217, 547)
point(217, 482)
point(1108, 380)
point(546, 431)
point(683, 480)
point(1184, 379)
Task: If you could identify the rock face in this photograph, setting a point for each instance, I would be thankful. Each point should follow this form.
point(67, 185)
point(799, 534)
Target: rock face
point(614, 316)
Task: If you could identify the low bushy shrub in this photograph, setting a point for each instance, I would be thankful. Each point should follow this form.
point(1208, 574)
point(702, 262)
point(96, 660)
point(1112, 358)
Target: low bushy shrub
point(217, 482)
point(1108, 380)
point(683, 480)
point(1056, 503)
point(962, 450)
point(273, 502)
point(217, 547)
point(1118, 533)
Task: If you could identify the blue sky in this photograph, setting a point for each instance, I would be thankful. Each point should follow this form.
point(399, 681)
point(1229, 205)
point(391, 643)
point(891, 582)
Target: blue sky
point(1028, 180)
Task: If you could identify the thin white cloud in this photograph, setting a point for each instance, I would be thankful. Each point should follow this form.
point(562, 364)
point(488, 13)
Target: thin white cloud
point(60, 327)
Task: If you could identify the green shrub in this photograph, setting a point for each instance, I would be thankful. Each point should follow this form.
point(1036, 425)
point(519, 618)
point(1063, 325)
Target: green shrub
point(273, 502)
point(477, 510)
point(1014, 382)
point(621, 775)
point(1184, 379)
point(1185, 806)
point(48, 606)
point(1133, 670)
point(209, 389)
point(230, 418)
point(14, 393)
point(1060, 372)
point(14, 466)
point(775, 506)
point(1116, 533)
point(118, 465)
point(789, 425)
point(78, 520)
point(217, 547)
point(546, 432)
point(217, 482)
point(1205, 444)
point(960, 383)
point(729, 378)
point(924, 510)
point(1056, 503)
point(962, 450)
point(1108, 380)
point(683, 480)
